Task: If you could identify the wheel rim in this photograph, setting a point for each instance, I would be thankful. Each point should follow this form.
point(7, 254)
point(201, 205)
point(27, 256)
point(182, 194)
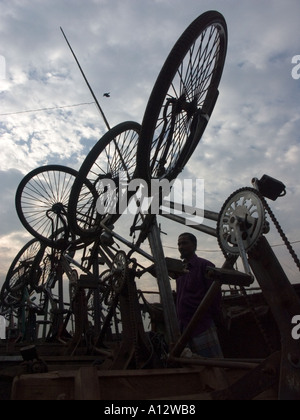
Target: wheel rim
point(42, 203)
point(186, 92)
point(112, 161)
point(20, 271)
point(247, 206)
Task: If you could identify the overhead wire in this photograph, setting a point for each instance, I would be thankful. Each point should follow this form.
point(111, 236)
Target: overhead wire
point(46, 109)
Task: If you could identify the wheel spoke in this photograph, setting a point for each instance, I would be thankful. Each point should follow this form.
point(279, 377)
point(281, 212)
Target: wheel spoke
point(114, 156)
point(169, 132)
point(42, 202)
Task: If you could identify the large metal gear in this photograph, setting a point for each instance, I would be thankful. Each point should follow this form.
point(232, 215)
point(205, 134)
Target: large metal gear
point(242, 216)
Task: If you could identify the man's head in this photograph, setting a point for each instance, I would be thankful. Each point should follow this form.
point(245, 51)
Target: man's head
point(187, 245)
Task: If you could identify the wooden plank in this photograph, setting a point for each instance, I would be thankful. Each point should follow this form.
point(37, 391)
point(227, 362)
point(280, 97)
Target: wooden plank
point(150, 384)
point(87, 384)
point(44, 386)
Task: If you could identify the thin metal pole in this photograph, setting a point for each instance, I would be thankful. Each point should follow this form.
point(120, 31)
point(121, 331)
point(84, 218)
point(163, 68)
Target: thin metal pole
point(182, 220)
point(184, 209)
point(170, 316)
point(221, 363)
point(129, 244)
point(91, 90)
point(206, 303)
point(97, 304)
point(98, 105)
point(202, 309)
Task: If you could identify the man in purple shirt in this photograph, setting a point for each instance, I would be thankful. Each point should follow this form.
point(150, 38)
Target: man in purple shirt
point(191, 289)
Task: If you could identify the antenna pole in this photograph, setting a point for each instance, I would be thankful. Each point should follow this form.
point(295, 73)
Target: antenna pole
point(91, 90)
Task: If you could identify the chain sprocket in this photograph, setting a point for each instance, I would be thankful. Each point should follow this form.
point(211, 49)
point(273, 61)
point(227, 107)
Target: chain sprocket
point(230, 206)
point(246, 206)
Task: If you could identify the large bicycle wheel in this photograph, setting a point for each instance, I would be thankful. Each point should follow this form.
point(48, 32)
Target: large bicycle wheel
point(46, 265)
point(110, 164)
point(183, 98)
point(20, 271)
point(42, 204)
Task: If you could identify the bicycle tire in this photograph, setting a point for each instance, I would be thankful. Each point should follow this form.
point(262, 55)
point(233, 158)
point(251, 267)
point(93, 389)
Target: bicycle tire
point(46, 262)
point(20, 271)
point(43, 267)
point(42, 201)
point(114, 153)
point(168, 140)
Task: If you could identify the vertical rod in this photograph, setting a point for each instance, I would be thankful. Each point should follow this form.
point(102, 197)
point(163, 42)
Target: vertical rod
point(202, 310)
point(169, 310)
point(46, 309)
point(97, 305)
point(97, 103)
point(61, 306)
point(91, 90)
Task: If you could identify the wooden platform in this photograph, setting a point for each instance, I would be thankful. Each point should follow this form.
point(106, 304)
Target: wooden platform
point(89, 383)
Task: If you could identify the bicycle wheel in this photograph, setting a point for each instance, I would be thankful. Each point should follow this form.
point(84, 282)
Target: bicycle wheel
point(44, 269)
point(20, 271)
point(47, 263)
point(42, 202)
point(112, 161)
point(182, 99)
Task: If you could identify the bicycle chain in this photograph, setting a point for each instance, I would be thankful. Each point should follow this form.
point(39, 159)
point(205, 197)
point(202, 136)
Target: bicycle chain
point(280, 230)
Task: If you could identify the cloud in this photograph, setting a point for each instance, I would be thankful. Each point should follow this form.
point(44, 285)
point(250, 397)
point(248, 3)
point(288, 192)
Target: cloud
point(9, 183)
point(10, 245)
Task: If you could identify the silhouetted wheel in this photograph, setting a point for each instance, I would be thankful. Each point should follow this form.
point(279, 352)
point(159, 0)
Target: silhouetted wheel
point(20, 271)
point(183, 98)
point(42, 204)
point(110, 165)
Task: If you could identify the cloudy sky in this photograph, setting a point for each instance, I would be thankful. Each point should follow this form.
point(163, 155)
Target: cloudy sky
point(47, 114)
